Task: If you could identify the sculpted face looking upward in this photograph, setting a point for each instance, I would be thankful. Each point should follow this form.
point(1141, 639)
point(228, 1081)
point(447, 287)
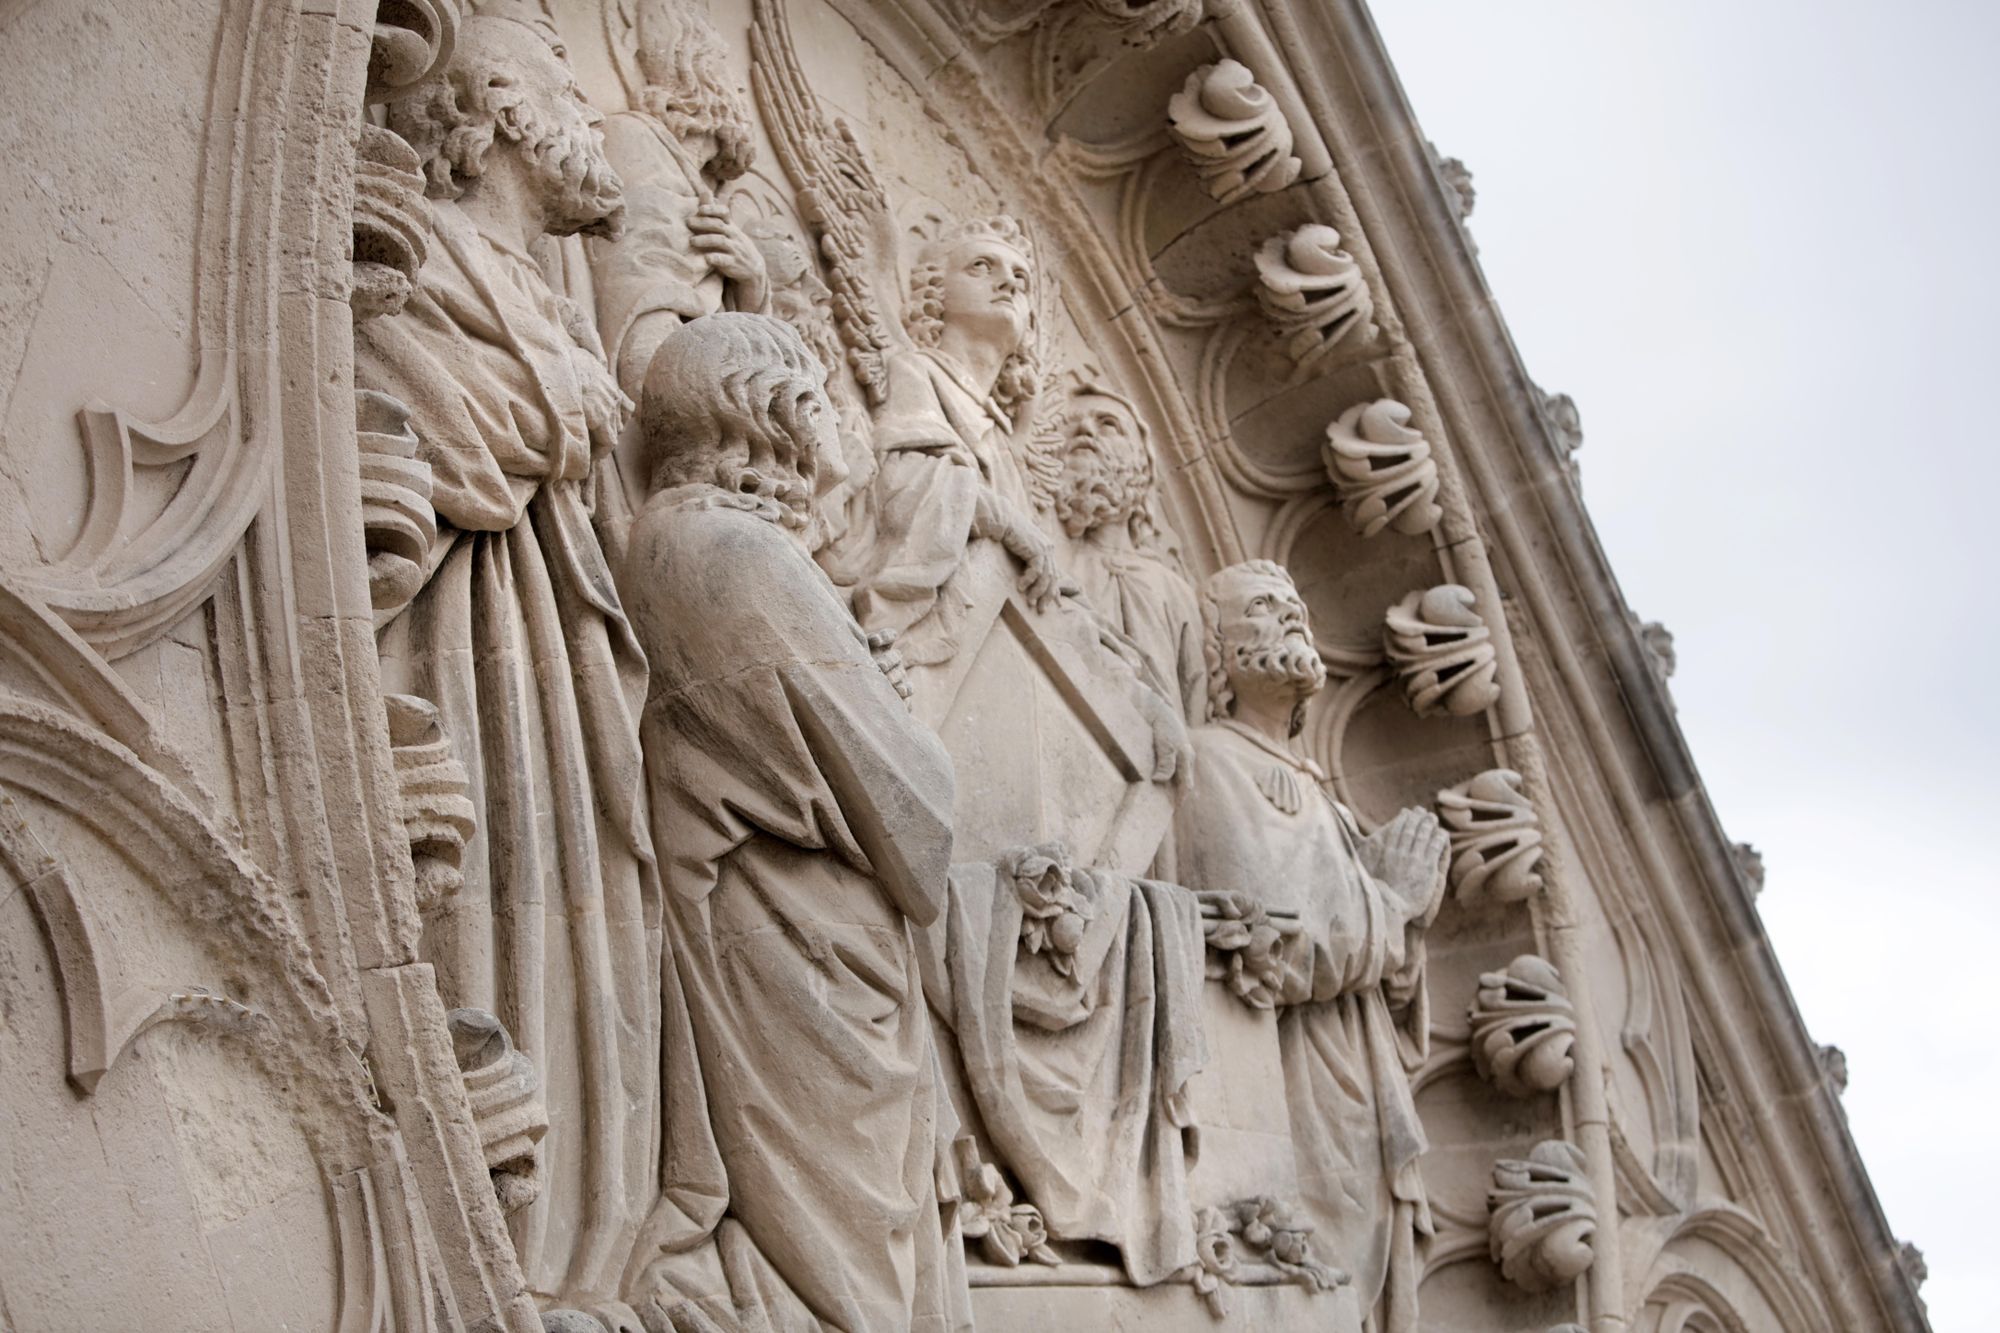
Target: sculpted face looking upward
point(559, 132)
point(1107, 472)
point(985, 293)
point(1263, 665)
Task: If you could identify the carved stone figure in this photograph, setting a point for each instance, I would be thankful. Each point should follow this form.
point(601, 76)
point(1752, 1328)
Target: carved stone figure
point(689, 133)
point(1234, 132)
point(806, 822)
point(516, 635)
point(948, 474)
point(1496, 838)
point(1443, 651)
point(1258, 821)
point(1383, 470)
point(946, 374)
point(1103, 492)
point(1542, 1216)
point(1523, 1027)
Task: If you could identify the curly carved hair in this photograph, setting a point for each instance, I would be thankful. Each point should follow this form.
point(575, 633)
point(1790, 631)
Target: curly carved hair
point(681, 56)
point(1020, 374)
point(1221, 697)
point(718, 409)
point(453, 117)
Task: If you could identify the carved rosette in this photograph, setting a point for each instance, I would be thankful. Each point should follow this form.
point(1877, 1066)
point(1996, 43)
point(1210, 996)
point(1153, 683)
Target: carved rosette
point(1523, 1028)
point(1542, 1217)
point(392, 223)
point(397, 522)
point(1443, 651)
point(435, 794)
point(1261, 1229)
point(1313, 293)
point(1054, 912)
point(1496, 838)
point(1007, 1232)
point(504, 1092)
point(1233, 131)
point(1383, 470)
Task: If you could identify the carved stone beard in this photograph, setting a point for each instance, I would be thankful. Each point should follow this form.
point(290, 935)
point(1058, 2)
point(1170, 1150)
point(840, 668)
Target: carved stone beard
point(1292, 661)
point(1103, 493)
point(568, 159)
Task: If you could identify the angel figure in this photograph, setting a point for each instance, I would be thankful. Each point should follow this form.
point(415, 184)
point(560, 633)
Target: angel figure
point(946, 381)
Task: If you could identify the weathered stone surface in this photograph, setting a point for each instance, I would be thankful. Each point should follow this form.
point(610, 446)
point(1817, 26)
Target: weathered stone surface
point(675, 666)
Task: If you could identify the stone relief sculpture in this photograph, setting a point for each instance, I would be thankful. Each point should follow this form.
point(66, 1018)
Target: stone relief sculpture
point(1258, 822)
point(1101, 489)
point(516, 635)
point(806, 821)
point(1313, 294)
point(1443, 651)
point(1383, 470)
point(947, 373)
point(1234, 132)
point(507, 1111)
point(1523, 1028)
point(1496, 838)
point(1542, 1216)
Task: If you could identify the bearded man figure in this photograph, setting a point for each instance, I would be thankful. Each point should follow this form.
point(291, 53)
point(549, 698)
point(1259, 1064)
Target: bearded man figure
point(1103, 498)
point(518, 638)
point(1259, 822)
point(806, 820)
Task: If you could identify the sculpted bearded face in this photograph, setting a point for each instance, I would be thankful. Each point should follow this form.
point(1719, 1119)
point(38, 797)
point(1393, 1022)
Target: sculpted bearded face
point(558, 131)
point(1107, 473)
point(1261, 635)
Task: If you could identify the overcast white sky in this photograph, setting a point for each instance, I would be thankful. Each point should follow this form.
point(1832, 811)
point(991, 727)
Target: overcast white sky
point(1755, 239)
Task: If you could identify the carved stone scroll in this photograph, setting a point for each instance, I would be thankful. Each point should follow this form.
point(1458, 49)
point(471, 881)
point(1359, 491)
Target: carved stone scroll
point(1383, 470)
point(1496, 838)
point(1443, 651)
point(1542, 1217)
point(1233, 131)
point(1523, 1028)
point(505, 1094)
point(1313, 293)
point(436, 796)
point(397, 522)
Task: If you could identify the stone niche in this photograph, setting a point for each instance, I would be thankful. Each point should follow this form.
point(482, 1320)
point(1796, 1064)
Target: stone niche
point(820, 664)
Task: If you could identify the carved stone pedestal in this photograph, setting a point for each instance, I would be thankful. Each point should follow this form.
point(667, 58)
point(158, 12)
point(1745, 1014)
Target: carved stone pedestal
point(1170, 1308)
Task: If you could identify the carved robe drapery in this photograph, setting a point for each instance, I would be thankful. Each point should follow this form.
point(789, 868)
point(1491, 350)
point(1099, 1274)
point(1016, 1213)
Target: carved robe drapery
point(804, 816)
point(518, 639)
point(1079, 1078)
point(1156, 607)
point(1257, 820)
point(941, 446)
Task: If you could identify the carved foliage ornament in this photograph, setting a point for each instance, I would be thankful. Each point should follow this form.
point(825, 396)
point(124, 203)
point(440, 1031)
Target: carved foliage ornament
point(1523, 1028)
point(1233, 131)
point(1443, 651)
point(1313, 293)
point(1496, 838)
point(1383, 470)
point(1542, 1217)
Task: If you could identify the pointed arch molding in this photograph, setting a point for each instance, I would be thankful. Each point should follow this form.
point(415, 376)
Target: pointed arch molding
point(271, 999)
point(129, 575)
point(1683, 1295)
